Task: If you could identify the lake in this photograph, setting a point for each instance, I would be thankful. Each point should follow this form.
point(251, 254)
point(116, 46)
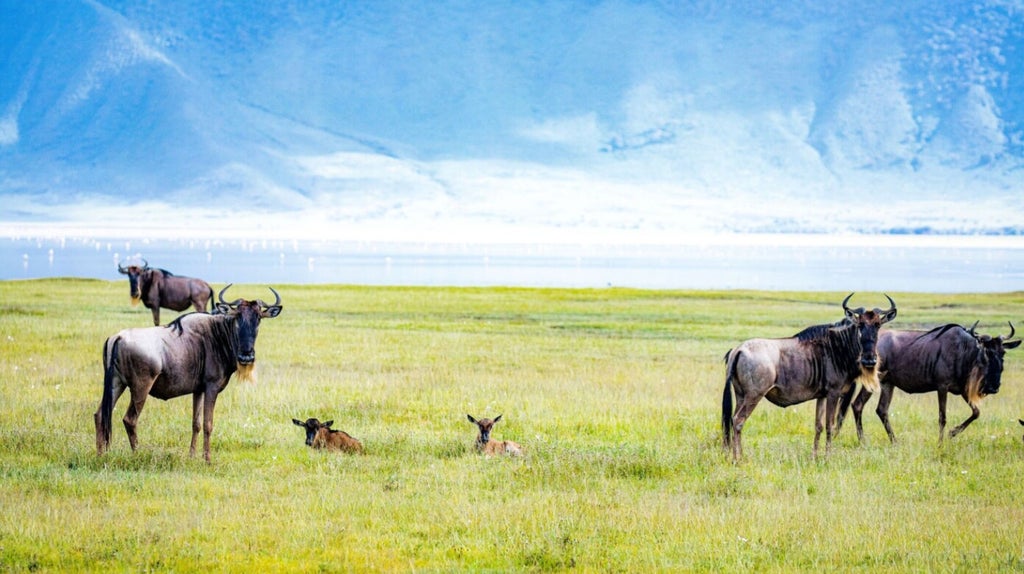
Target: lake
point(806, 264)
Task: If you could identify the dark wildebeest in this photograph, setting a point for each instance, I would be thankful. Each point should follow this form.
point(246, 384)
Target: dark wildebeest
point(820, 362)
point(947, 359)
point(160, 288)
point(195, 354)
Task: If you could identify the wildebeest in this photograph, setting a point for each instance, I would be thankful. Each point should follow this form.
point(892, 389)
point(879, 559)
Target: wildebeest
point(158, 288)
point(321, 435)
point(820, 363)
point(487, 445)
point(946, 359)
point(195, 354)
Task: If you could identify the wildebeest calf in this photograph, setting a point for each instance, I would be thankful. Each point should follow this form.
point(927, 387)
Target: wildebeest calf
point(321, 435)
point(489, 446)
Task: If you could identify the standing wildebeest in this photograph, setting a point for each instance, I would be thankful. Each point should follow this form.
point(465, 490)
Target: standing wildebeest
point(194, 354)
point(160, 288)
point(947, 359)
point(820, 363)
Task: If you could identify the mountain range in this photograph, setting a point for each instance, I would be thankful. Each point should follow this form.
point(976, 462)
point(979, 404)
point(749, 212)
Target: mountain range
point(511, 117)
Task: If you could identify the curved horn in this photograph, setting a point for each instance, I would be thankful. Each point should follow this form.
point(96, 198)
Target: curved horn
point(220, 296)
point(1010, 336)
point(845, 308)
point(892, 304)
point(122, 268)
point(971, 330)
point(145, 264)
point(278, 300)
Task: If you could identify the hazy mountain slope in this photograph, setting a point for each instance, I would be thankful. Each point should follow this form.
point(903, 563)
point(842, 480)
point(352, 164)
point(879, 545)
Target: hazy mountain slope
point(614, 114)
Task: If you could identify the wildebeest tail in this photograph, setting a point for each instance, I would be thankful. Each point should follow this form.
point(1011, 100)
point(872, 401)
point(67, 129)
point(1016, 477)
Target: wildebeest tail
point(212, 301)
point(730, 365)
point(110, 351)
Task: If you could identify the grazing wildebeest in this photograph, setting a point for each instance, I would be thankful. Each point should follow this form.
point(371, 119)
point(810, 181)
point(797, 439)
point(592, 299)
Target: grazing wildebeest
point(195, 354)
point(487, 445)
point(946, 359)
point(820, 363)
point(321, 435)
point(160, 288)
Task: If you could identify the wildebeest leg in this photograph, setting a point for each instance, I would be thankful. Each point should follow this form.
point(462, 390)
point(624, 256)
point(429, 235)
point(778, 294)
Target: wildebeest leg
point(745, 405)
point(197, 403)
point(882, 410)
point(858, 412)
point(819, 422)
point(974, 414)
point(131, 418)
point(156, 316)
point(831, 412)
point(942, 413)
point(208, 404)
point(101, 440)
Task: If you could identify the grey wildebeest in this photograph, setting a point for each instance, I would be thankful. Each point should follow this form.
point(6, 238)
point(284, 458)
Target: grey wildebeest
point(486, 445)
point(944, 360)
point(195, 354)
point(321, 436)
point(820, 362)
point(158, 288)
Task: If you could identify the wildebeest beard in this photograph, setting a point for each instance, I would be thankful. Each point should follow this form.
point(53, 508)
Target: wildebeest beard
point(246, 373)
point(868, 378)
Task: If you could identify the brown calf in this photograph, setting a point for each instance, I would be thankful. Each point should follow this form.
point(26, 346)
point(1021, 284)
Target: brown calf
point(491, 447)
point(321, 435)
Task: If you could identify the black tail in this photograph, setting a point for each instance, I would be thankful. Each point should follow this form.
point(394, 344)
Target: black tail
point(212, 301)
point(107, 403)
point(727, 403)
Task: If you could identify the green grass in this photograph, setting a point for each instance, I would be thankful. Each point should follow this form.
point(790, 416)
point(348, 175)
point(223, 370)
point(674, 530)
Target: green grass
point(614, 393)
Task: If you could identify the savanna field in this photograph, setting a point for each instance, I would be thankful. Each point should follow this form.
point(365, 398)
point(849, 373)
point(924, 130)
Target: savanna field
point(615, 395)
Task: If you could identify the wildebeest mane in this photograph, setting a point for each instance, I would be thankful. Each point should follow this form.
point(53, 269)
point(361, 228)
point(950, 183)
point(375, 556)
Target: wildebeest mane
point(939, 331)
point(166, 272)
point(815, 332)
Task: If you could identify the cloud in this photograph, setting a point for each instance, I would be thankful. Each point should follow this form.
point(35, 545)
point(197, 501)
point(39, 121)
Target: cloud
point(576, 132)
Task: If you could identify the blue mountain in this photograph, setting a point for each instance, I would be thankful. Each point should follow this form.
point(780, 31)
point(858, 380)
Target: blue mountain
point(726, 115)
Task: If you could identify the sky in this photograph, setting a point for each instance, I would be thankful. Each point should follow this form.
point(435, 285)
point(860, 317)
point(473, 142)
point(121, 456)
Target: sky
point(608, 121)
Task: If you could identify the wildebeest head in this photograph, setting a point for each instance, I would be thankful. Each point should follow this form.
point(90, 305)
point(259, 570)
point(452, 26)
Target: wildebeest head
point(867, 323)
point(247, 316)
point(485, 426)
point(995, 349)
point(312, 426)
point(134, 272)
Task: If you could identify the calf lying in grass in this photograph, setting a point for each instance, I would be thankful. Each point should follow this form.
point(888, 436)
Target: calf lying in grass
point(490, 447)
point(321, 435)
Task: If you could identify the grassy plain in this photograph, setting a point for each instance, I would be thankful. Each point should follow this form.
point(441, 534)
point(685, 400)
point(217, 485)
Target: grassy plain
point(614, 393)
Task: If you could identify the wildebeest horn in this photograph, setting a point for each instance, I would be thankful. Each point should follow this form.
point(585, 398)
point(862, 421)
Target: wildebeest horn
point(220, 296)
point(1010, 336)
point(845, 308)
point(145, 264)
point(122, 269)
point(971, 330)
point(278, 300)
point(892, 304)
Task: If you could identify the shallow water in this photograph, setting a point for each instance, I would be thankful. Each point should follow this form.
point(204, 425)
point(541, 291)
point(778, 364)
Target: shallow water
point(772, 267)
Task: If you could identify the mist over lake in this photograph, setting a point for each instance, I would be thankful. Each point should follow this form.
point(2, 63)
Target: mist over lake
point(811, 264)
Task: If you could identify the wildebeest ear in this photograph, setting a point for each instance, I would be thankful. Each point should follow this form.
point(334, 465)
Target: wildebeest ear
point(328, 424)
point(889, 315)
point(471, 419)
point(497, 418)
point(272, 311)
point(223, 309)
point(1020, 421)
point(1012, 344)
point(298, 422)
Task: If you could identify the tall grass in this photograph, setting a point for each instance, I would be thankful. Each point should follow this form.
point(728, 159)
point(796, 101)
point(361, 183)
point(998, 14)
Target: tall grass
point(615, 395)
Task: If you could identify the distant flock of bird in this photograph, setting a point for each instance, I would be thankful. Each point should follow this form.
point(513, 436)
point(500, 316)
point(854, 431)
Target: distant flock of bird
point(197, 353)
